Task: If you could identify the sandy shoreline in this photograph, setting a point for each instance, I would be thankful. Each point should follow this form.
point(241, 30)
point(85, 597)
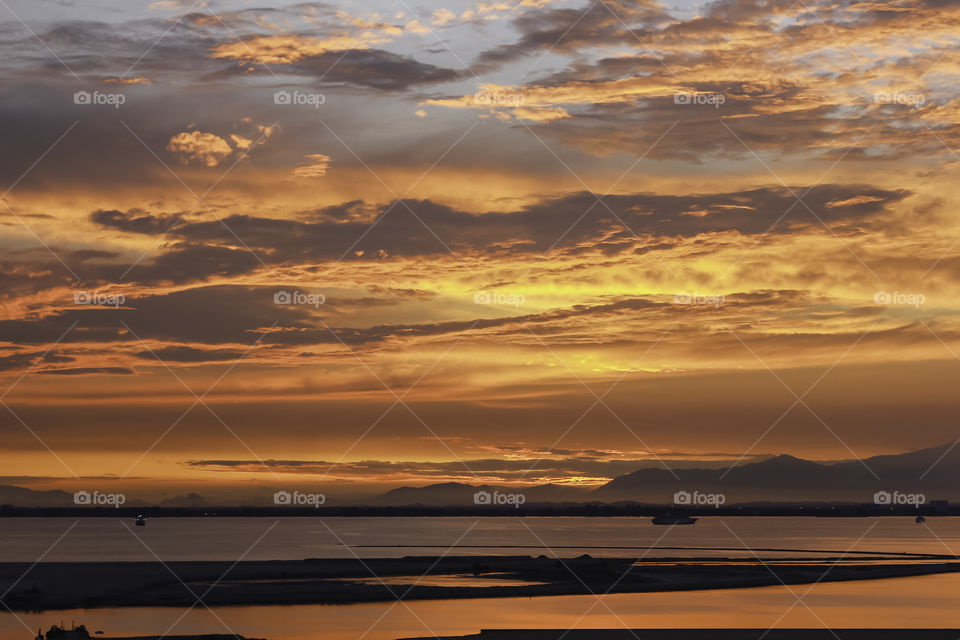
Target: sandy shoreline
point(51, 586)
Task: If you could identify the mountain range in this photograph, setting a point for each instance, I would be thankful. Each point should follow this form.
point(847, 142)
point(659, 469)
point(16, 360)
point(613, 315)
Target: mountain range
point(933, 472)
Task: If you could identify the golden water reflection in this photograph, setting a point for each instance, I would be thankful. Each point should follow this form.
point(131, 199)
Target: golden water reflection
point(922, 601)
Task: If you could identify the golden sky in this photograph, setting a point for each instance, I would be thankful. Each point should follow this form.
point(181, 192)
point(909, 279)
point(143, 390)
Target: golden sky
point(502, 241)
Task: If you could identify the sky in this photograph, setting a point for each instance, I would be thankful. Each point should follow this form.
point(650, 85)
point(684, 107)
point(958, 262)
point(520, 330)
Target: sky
point(360, 245)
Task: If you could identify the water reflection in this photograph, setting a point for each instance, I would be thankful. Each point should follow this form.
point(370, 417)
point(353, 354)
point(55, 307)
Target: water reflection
point(925, 601)
point(102, 539)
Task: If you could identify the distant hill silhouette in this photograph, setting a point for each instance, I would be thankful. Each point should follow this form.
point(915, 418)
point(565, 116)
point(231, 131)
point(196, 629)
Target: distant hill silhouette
point(782, 478)
point(934, 472)
point(189, 500)
point(786, 478)
point(22, 497)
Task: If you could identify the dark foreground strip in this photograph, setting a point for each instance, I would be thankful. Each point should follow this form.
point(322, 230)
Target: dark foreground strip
point(708, 634)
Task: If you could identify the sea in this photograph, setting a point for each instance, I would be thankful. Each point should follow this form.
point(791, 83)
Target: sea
point(912, 602)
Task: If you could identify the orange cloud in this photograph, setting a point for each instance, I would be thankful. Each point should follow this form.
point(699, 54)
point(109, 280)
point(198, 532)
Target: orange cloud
point(196, 146)
point(289, 49)
point(122, 80)
point(316, 168)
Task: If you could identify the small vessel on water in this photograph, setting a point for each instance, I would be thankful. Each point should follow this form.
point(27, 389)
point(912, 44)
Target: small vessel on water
point(140, 521)
point(672, 519)
point(921, 519)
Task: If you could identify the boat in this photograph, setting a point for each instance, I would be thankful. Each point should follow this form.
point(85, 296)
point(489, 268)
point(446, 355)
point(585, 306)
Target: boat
point(669, 519)
point(140, 521)
point(921, 519)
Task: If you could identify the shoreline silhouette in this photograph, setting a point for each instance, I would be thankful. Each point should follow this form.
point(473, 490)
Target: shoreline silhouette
point(59, 585)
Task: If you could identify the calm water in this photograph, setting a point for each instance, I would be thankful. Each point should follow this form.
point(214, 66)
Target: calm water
point(27, 539)
point(929, 601)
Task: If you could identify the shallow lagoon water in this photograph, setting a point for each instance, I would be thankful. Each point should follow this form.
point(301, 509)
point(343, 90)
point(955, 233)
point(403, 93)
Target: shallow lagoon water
point(925, 601)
